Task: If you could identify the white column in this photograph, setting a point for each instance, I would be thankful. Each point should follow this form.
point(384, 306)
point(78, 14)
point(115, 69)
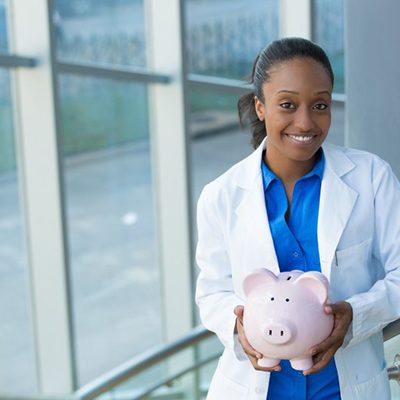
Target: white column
point(169, 161)
point(295, 18)
point(40, 180)
point(372, 77)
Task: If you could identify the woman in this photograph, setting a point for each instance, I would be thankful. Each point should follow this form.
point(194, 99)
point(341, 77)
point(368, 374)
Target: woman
point(296, 203)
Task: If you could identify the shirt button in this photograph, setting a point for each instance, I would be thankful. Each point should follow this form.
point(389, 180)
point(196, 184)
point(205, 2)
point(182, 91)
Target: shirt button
point(295, 254)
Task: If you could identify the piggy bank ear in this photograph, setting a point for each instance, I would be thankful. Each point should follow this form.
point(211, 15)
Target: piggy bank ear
point(256, 278)
point(316, 283)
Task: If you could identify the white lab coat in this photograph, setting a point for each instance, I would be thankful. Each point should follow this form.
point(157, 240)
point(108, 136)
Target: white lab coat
point(359, 248)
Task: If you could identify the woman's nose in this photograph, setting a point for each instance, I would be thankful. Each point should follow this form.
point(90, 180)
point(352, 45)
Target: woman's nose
point(303, 120)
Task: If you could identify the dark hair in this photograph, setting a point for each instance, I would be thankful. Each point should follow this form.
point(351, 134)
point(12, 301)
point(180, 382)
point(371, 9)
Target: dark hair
point(275, 53)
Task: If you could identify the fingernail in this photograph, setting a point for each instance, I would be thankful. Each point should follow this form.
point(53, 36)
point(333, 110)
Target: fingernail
point(313, 352)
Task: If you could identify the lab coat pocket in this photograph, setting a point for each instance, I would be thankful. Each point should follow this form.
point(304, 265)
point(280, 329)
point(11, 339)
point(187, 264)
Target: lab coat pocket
point(350, 272)
point(355, 256)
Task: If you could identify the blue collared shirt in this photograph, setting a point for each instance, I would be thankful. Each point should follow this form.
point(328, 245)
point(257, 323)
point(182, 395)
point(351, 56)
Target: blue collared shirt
point(296, 247)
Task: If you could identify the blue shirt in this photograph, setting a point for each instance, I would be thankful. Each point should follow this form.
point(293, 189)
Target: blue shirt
point(296, 247)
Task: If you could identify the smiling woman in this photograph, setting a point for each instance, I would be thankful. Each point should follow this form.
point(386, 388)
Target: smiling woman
point(291, 206)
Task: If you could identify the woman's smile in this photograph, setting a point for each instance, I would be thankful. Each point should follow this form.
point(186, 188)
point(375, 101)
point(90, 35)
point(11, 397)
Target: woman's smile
point(302, 140)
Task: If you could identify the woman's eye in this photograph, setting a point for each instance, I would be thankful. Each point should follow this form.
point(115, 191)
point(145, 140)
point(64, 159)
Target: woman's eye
point(287, 104)
point(321, 106)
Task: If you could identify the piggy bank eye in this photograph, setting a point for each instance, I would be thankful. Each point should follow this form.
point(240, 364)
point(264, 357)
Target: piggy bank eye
point(272, 298)
point(287, 299)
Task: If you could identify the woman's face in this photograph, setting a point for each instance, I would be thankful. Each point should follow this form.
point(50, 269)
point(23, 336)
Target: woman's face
point(296, 108)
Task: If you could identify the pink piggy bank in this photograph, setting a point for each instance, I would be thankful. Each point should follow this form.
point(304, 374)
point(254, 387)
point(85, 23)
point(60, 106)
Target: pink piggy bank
point(284, 315)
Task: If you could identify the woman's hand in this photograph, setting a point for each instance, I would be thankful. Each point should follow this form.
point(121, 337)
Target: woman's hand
point(323, 352)
point(252, 354)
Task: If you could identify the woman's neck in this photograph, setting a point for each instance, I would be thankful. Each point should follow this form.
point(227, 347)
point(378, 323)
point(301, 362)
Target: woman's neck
point(286, 169)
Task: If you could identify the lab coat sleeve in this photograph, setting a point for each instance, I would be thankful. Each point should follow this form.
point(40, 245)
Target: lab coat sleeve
point(215, 295)
point(374, 309)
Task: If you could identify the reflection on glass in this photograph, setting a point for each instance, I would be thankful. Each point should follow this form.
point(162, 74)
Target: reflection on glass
point(113, 31)
point(16, 335)
point(328, 33)
point(111, 223)
point(3, 28)
point(224, 36)
point(216, 139)
point(216, 142)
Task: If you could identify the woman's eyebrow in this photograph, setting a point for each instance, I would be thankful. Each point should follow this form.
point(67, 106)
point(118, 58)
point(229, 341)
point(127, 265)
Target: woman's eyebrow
point(294, 92)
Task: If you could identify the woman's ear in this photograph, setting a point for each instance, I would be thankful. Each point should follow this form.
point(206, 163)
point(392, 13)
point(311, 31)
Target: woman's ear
point(259, 106)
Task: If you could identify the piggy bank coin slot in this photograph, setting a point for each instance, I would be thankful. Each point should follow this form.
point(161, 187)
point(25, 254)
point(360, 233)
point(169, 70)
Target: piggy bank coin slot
point(288, 278)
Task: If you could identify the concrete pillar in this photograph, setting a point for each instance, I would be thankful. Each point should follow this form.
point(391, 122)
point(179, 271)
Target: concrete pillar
point(373, 77)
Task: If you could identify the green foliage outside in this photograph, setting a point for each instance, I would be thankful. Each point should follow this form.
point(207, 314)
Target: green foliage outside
point(7, 145)
point(101, 114)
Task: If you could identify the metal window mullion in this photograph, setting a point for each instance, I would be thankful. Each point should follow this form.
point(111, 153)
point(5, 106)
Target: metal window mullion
point(42, 198)
point(167, 114)
point(295, 18)
point(13, 61)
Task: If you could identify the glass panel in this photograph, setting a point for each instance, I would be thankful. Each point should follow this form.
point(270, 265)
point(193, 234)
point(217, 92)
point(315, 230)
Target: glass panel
point(223, 37)
point(16, 335)
point(328, 33)
point(214, 126)
point(111, 222)
point(3, 28)
point(113, 33)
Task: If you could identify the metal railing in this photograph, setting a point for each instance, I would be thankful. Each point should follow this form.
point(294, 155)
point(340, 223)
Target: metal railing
point(127, 371)
point(142, 362)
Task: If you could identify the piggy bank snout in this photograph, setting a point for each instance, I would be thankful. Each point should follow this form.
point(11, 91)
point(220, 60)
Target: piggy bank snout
point(278, 332)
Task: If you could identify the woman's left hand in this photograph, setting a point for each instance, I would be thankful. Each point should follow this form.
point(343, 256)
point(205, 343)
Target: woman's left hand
point(323, 352)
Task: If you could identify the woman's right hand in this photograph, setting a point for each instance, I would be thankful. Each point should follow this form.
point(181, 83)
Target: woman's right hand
point(251, 353)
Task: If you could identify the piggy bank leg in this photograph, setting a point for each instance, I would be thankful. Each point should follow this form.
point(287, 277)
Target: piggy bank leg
point(268, 362)
point(301, 364)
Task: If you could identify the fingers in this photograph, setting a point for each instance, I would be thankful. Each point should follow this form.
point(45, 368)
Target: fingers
point(251, 353)
point(238, 311)
point(320, 364)
point(331, 341)
point(248, 349)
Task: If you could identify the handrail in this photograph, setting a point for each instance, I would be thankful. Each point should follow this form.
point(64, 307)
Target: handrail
point(170, 379)
point(133, 367)
point(391, 330)
point(140, 363)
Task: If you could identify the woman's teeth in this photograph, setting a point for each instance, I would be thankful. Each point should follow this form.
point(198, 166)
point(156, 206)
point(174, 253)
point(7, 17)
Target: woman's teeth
point(301, 139)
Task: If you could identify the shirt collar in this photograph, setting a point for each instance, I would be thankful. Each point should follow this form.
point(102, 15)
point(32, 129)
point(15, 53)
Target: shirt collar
point(318, 170)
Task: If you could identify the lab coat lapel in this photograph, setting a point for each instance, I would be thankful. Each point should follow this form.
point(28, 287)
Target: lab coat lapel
point(337, 201)
point(252, 216)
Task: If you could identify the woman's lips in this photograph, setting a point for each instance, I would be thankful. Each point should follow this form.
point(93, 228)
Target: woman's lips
point(301, 139)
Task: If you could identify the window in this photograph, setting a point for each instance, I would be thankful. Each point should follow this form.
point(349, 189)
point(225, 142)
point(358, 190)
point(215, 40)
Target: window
point(328, 33)
point(113, 34)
